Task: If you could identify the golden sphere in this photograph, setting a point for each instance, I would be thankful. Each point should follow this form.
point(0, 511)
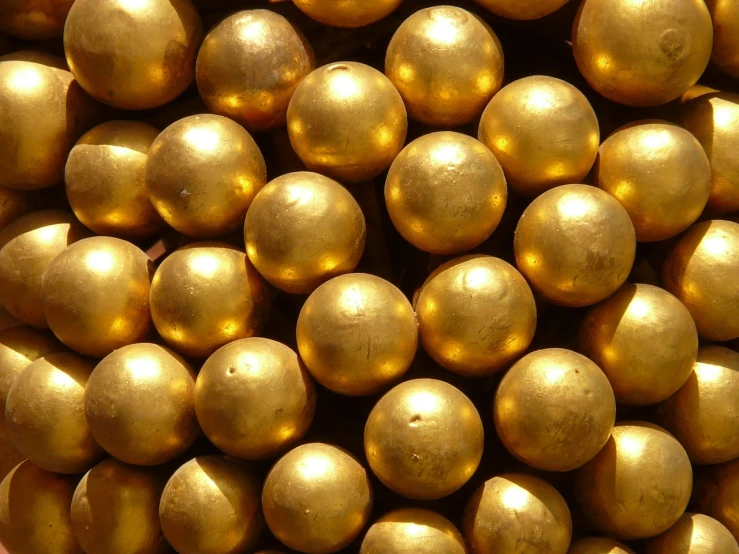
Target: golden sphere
point(639, 485)
point(424, 439)
point(357, 333)
point(207, 294)
point(13, 204)
point(597, 545)
point(10, 457)
point(105, 180)
point(34, 20)
point(725, 16)
point(522, 9)
point(115, 510)
point(517, 513)
point(347, 120)
point(717, 495)
point(347, 13)
point(660, 173)
point(701, 271)
point(413, 530)
point(543, 132)
point(645, 341)
point(211, 505)
point(249, 66)
point(96, 295)
point(575, 244)
point(139, 404)
point(253, 398)
point(317, 498)
point(303, 229)
point(457, 327)
point(694, 534)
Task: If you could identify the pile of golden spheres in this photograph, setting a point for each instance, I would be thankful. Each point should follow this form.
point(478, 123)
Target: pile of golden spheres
point(143, 407)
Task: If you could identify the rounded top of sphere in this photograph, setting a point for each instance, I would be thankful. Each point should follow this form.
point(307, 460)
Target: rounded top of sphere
point(31, 20)
point(598, 545)
point(522, 9)
point(694, 534)
point(399, 532)
point(348, 13)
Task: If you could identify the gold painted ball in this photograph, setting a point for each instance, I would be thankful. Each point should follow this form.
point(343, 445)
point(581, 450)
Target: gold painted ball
point(717, 495)
point(598, 545)
point(10, 457)
point(408, 530)
point(349, 13)
point(725, 16)
point(694, 534)
point(13, 204)
point(522, 9)
point(34, 20)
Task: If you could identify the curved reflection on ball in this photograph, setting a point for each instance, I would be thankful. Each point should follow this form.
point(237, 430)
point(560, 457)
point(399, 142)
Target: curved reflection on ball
point(33, 20)
point(598, 545)
point(725, 53)
point(522, 9)
point(348, 13)
point(407, 530)
point(13, 204)
point(717, 495)
point(694, 534)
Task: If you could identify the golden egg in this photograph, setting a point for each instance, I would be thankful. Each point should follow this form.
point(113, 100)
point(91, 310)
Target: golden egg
point(347, 120)
point(717, 495)
point(575, 244)
point(725, 54)
point(694, 534)
point(357, 334)
point(701, 271)
point(303, 229)
point(348, 13)
point(317, 498)
point(207, 294)
point(33, 20)
point(211, 505)
point(517, 513)
point(543, 132)
point(13, 204)
point(598, 545)
point(139, 404)
point(476, 314)
point(424, 439)
point(522, 9)
point(413, 530)
point(659, 172)
point(96, 295)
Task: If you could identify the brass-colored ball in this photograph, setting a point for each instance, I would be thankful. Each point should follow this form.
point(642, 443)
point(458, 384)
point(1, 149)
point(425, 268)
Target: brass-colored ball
point(522, 9)
point(408, 438)
point(10, 457)
point(457, 327)
point(717, 495)
point(133, 54)
point(348, 13)
point(13, 204)
point(211, 505)
point(701, 271)
point(725, 16)
point(660, 173)
point(413, 530)
point(598, 545)
point(639, 485)
point(207, 294)
point(695, 91)
point(33, 20)
point(357, 333)
point(249, 66)
point(694, 534)
point(543, 132)
point(253, 398)
point(645, 341)
point(575, 244)
point(303, 229)
point(317, 498)
point(516, 512)
point(105, 180)
point(96, 295)
point(347, 120)
point(139, 404)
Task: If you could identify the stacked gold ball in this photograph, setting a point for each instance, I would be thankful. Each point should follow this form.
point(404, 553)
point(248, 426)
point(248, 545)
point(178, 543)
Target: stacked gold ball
point(32, 20)
point(406, 530)
point(522, 9)
point(717, 493)
point(349, 13)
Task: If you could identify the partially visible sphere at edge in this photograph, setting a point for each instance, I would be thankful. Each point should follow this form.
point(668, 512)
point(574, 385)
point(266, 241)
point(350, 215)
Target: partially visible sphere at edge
point(694, 534)
point(349, 13)
point(405, 530)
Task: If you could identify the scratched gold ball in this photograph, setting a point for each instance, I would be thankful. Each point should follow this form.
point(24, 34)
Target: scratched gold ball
point(317, 499)
point(348, 13)
point(575, 244)
point(410, 530)
point(347, 120)
point(598, 545)
point(34, 20)
point(13, 204)
point(356, 334)
point(543, 132)
point(522, 9)
point(717, 494)
point(725, 16)
point(303, 229)
point(694, 534)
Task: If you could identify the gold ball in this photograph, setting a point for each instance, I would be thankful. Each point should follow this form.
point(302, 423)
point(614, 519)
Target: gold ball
point(694, 534)
point(10, 457)
point(211, 505)
point(249, 66)
point(598, 545)
point(105, 180)
point(701, 271)
point(357, 334)
point(207, 294)
point(317, 498)
point(512, 510)
point(457, 328)
point(725, 16)
point(645, 341)
point(13, 204)
point(139, 404)
point(253, 398)
point(522, 9)
point(717, 495)
point(543, 132)
point(408, 435)
point(303, 229)
point(348, 13)
point(575, 244)
point(660, 173)
point(410, 530)
point(347, 120)
point(639, 485)
point(96, 295)
point(33, 20)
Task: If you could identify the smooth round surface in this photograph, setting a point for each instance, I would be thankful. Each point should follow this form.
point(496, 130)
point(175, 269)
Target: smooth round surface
point(575, 244)
point(34, 20)
point(717, 495)
point(424, 439)
point(347, 120)
point(694, 534)
point(543, 132)
point(303, 229)
point(139, 404)
point(348, 13)
point(410, 530)
point(598, 545)
point(13, 204)
point(317, 498)
point(725, 16)
point(522, 9)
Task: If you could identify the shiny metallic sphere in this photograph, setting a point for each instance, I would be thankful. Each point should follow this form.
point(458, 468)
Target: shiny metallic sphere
point(725, 16)
point(13, 204)
point(348, 13)
point(694, 534)
point(717, 494)
point(33, 20)
point(522, 9)
point(598, 545)
point(407, 530)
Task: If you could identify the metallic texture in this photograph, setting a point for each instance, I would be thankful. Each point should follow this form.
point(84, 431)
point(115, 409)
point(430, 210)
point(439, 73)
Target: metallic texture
point(13, 204)
point(410, 531)
point(34, 19)
point(717, 495)
point(694, 534)
point(598, 545)
point(522, 9)
point(725, 16)
point(347, 13)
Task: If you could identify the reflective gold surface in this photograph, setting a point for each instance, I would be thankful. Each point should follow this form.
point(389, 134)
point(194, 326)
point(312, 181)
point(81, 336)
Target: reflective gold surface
point(346, 120)
point(575, 244)
point(139, 404)
point(348, 13)
point(522, 9)
point(725, 16)
point(317, 498)
point(413, 530)
point(475, 315)
point(717, 494)
point(357, 334)
point(424, 439)
point(543, 132)
point(597, 545)
point(694, 534)
point(34, 19)
point(13, 204)
point(303, 229)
